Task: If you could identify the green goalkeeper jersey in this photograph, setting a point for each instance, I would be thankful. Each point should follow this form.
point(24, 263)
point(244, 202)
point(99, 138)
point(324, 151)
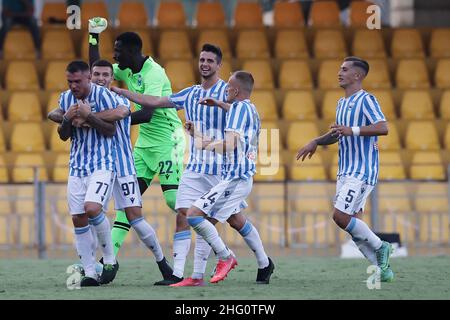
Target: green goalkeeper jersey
point(165, 126)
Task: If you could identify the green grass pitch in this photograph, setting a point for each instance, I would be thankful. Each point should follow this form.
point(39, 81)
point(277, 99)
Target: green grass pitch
point(294, 278)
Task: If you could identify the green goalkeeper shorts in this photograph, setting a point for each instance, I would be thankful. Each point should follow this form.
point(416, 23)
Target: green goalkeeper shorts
point(166, 162)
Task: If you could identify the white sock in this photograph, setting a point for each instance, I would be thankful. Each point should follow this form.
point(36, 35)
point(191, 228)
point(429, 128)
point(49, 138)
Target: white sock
point(83, 241)
point(366, 250)
point(148, 236)
point(207, 230)
point(360, 230)
point(201, 255)
point(94, 239)
point(253, 240)
point(103, 229)
point(181, 246)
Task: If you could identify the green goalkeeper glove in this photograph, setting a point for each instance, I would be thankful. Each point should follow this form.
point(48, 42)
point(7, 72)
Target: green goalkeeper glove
point(97, 25)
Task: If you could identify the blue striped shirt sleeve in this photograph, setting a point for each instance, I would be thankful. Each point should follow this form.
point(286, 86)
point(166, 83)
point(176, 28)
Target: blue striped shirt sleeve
point(123, 101)
point(62, 103)
point(372, 110)
point(179, 98)
point(236, 118)
point(107, 100)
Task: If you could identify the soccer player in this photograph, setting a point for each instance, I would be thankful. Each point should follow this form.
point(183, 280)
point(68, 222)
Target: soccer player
point(159, 148)
point(205, 167)
point(91, 168)
point(359, 122)
point(125, 189)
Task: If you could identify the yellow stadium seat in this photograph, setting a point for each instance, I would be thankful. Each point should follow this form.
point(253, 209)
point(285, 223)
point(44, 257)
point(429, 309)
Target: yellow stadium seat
point(329, 103)
point(328, 72)
point(440, 43)
point(248, 15)
point(174, 45)
point(324, 14)
point(312, 198)
point(180, 74)
point(55, 76)
point(299, 105)
point(434, 228)
point(24, 106)
point(308, 170)
point(269, 197)
point(427, 166)
point(106, 45)
point(262, 73)
point(264, 100)
point(447, 137)
point(442, 75)
point(271, 229)
point(394, 198)
point(133, 14)
point(60, 169)
point(445, 105)
point(210, 14)
point(269, 130)
point(57, 44)
point(288, 15)
point(25, 230)
point(252, 44)
point(2, 142)
point(386, 102)
point(329, 44)
point(171, 15)
point(267, 173)
point(27, 137)
point(19, 45)
point(378, 76)
point(6, 202)
point(93, 9)
point(4, 169)
point(21, 75)
point(56, 144)
point(295, 74)
point(215, 37)
point(290, 44)
point(407, 43)
point(412, 74)
point(300, 133)
point(54, 12)
point(53, 101)
point(358, 13)
point(368, 44)
point(392, 140)
point(400, 222)
point(24, 196)
point(431, 197)
point(24, 165)
point(422, 135)
point(225, 70)
point(391, 166)
point(417, 105)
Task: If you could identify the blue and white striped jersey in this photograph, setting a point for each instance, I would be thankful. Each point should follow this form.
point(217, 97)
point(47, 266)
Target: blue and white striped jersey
point(122, 139)
point(358, 155)
point(210, 121)
point(90, 151)
point(243, 119)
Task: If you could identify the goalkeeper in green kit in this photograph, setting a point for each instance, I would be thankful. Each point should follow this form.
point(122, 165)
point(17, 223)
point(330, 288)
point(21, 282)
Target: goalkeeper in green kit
point(159, 148)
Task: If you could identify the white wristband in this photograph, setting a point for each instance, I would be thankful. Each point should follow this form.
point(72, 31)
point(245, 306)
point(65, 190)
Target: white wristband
point(356, 131)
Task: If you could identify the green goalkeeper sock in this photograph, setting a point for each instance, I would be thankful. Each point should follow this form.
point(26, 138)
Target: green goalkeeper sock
point(119, 230)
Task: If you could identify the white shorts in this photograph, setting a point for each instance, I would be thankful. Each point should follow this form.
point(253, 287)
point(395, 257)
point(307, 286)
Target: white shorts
point(351, 194)
point(94, 188)
point(224, 199)
point(193, 185)
point(126, 193)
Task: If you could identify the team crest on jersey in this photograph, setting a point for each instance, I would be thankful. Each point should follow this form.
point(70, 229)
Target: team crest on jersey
point(375, 146)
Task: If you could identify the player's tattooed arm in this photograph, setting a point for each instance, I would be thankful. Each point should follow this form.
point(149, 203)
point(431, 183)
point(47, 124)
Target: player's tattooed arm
point(308, 150)
point(65, 128)
point(329, 138)
point(106, 128)
point(141, 116)
point(117, 114)
point(214, 102)
point(56, 115)
point(146, 101)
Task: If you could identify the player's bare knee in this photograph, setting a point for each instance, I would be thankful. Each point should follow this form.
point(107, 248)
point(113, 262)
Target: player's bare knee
point(80, 220)
point(237, 221)
point(92, 209)
point(194, 212)
point(181, 222)
point(341, 219)
point(133, 213)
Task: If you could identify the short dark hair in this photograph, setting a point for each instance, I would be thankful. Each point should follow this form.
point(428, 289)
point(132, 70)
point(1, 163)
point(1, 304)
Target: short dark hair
point(103, 63)
point(207, 47)
point(245, 79)
point(131, 40)
point(77, 66)
point(360, 63)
